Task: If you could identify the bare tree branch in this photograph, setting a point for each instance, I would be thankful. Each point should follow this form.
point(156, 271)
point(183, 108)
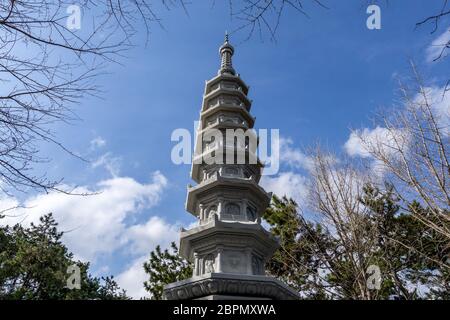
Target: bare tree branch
point(263, 16)
point(46, 67)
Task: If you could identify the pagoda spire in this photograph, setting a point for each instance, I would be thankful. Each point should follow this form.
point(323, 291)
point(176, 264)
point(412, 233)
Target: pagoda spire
point(226, 52)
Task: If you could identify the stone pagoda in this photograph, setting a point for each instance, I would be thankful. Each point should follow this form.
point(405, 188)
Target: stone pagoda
point(228, 247)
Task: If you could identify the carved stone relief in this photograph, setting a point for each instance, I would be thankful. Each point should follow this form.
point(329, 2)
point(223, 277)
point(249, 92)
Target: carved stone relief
point(210, 212)
point(209, 264)
point(257, 265)
point(251, 213)
point(234, 262)
point(232, 209)
point(233, 171)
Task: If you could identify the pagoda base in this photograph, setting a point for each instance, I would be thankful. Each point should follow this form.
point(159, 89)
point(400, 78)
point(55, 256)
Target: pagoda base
point(223, 286)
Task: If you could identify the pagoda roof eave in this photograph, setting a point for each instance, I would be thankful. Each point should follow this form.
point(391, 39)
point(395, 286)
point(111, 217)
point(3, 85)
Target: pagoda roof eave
point(227, 76)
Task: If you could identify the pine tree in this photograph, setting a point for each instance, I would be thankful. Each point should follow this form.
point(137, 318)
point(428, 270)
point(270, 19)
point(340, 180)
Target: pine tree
point(165, 267)
point(34, 264)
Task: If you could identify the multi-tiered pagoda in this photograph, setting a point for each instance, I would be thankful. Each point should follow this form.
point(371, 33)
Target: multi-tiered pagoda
point(228, 247)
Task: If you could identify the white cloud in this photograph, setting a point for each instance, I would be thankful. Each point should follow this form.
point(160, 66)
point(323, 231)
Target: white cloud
point(144, 238)
point(133, 277)
point(389, 142)
point(439, 99)
point(111, 163)
point(95, 224)
point(7, 205)
point(99, 224)
point(97, 143)
point(360, 141)
point(154, 231)
point(355, 146)
point(437, 46)
point(287, 184)
point(293, 157)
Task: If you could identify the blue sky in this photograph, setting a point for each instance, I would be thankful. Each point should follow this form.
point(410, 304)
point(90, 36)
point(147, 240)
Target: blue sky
point(321, 77)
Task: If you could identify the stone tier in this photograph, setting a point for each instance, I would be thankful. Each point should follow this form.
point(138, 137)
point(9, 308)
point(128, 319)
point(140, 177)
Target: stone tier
point(227, 246)
point(227, 195)
point(217, 155)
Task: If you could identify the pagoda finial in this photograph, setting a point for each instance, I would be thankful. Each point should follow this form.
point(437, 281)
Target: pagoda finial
point(226, 52)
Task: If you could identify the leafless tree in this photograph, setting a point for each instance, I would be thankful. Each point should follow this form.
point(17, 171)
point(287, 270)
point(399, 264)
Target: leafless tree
point(414, 153)
point(46, 66)
point(336, 187)
point(354, 226)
